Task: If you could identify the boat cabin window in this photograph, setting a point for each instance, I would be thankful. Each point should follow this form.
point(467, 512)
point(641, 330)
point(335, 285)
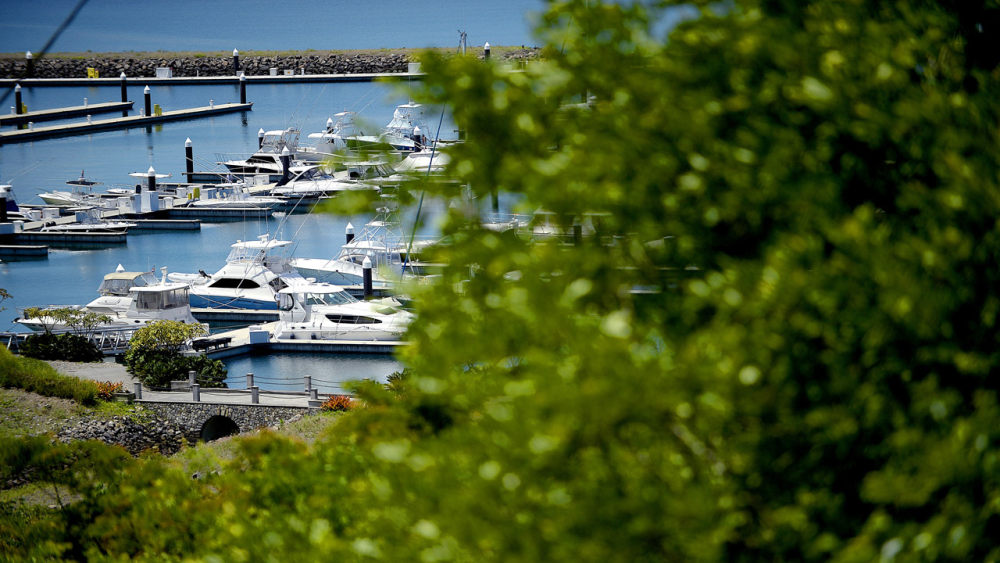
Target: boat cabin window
point(161, 300)
point(234, 283)
point(353, 320)
point(335, 298)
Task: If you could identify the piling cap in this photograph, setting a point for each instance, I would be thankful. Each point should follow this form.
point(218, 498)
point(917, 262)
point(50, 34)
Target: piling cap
point(145, 90)
point(151, 172)
point(17, 87)
point(122, 75)
point(236, 52)
point(367, 264)
point(243, 76)
point(487, 46)
point(120, 268)
point(285, 152)
point(187, 142)
point(28, 55)
point(350, 229)
point(329, 122)
point(416, 130)
point(260, 133)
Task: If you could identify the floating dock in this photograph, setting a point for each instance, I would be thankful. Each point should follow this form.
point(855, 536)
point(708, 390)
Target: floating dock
point(23, 251)
point(64, 113)
point(142, 225)
point(85, 127)
point(71, 238)
point(259, 339)
point(220, 213)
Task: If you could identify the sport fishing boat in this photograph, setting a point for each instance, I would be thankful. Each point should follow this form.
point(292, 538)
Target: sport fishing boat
point(254, 273)
point(381, 241)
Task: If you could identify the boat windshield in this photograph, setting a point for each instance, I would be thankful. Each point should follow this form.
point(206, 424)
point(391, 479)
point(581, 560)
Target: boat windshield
point(335, 298)
point(120, 282)
point(161, 300)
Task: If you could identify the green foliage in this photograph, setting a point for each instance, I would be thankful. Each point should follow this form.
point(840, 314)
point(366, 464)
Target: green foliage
point(38, 377)
point(87, 469)
point(775, 341)
point(67, 347)
point(79, 321)
point(154, 356)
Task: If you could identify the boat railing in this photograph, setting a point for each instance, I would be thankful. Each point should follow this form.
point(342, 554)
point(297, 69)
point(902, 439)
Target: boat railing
point(109, 341)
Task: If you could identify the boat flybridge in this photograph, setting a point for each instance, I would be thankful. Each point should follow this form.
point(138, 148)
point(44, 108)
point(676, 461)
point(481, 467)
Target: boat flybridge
point(322, 311)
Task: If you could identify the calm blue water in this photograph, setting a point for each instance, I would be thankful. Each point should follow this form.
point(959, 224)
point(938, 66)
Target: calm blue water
point(72, 276)
point(195, 25)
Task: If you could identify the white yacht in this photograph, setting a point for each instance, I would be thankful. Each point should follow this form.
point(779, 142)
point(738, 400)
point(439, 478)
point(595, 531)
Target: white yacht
point(131, 300)
point(399, 133)
point(382, 242)
point(81, 193)
point(267, 159)
point(322, 311)
point(89, 221)
point(314, 181)
point(332, 141)
point(255, 271)
point(221, 196)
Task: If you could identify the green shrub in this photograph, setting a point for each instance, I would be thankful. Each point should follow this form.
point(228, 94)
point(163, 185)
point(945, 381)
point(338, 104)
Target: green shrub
point(154, 356)
point(38, 377)
point(66, 347)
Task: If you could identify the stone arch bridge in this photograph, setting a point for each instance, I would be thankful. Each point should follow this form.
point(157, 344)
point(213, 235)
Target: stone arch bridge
point(210, 421)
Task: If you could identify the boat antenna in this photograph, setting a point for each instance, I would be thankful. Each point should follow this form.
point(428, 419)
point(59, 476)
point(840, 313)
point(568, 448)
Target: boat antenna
point(420, 204)
point(55, 35)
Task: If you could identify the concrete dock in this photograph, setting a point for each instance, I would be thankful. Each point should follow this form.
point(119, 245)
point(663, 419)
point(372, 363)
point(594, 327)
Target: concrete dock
point(259, 339)
point(63, 113)
point(194, 80)
point(84, 128)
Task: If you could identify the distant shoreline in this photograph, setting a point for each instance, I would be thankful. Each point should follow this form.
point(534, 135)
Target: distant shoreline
point(216, 63)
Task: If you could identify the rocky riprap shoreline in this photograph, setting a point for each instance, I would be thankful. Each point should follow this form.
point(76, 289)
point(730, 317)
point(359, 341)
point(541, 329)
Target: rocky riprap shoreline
point(134, 436)
point(138, 67)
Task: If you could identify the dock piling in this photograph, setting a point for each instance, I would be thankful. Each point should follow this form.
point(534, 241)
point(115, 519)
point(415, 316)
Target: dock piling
point(260, 137)
point(151, 183)
point(486, 51)
point(236, 62)
point(29, 60)
point(18, 106)
point(188, 158)
point(149, 102)
point(366, 269)
point(124, 94)
point(349, 233)
point(286, 165)
point(243, 88)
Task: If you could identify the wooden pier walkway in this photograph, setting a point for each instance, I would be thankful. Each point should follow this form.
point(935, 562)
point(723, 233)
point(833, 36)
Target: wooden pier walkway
point(64, 113)
point(84, 128)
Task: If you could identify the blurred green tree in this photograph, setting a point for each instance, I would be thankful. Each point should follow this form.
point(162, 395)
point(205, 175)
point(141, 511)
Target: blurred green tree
point(760, 324)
